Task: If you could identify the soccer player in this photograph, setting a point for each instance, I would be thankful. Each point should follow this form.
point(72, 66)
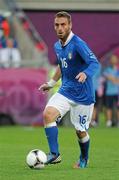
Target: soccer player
point(76, 66)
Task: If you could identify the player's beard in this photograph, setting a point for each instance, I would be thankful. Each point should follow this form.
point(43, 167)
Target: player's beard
point(63, 38)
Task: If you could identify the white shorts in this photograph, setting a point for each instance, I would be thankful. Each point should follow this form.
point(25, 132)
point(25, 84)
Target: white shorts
point(80, 115)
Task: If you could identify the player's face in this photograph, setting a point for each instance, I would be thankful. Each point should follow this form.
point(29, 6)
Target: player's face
point(62, 27)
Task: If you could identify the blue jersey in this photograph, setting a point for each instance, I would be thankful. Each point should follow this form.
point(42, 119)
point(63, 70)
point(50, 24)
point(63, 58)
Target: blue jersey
point(75, 57)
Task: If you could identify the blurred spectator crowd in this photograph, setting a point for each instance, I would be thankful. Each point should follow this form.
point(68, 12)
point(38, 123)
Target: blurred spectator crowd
point(106, 83)
point(9, 52)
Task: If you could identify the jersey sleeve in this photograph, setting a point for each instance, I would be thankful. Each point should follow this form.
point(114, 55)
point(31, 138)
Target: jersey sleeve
point(89, 58)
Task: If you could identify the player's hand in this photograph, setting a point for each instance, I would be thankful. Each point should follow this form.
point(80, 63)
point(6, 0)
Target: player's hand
point(44, 87)
point(81, 77)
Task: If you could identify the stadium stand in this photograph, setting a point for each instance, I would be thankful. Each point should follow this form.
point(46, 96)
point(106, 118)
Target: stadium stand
point(31, 45)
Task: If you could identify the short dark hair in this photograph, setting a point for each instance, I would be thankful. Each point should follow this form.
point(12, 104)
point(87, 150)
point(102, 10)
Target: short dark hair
point(63, 14)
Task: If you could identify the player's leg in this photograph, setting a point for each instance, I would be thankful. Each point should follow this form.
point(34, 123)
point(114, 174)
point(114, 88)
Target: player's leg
point(50, 115)
point(84, 143)
point(57, 106)
point(80, 117)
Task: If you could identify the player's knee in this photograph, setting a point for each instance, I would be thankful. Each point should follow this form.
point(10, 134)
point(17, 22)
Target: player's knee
point(50, 115)
point(47, 116)
point(81, 134)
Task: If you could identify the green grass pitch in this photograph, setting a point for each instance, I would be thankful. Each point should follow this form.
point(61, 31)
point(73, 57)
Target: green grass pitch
point(16, 142)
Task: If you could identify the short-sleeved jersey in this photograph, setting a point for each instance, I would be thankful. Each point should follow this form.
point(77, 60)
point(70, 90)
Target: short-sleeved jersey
point(111, 88)
point(75, 57)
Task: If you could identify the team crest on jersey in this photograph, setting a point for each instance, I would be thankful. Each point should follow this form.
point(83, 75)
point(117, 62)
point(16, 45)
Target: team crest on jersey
point(70, 55)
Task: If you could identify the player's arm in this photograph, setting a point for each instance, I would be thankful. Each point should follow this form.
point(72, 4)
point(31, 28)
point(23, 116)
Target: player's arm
point(89, 58)
point(50, 84)
point(57, 74)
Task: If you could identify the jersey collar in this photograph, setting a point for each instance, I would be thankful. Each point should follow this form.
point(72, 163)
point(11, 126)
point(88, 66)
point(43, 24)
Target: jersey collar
point(69, 38)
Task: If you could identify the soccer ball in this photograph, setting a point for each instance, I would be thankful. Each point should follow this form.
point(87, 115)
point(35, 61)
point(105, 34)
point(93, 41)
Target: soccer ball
point(36, 159)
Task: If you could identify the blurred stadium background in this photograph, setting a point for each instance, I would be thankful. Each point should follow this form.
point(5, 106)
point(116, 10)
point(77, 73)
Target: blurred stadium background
point(31, 25)
point(31, 28)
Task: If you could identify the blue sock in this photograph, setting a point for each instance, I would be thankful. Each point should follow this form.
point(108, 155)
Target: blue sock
point(52, 137)
point(84, 147)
